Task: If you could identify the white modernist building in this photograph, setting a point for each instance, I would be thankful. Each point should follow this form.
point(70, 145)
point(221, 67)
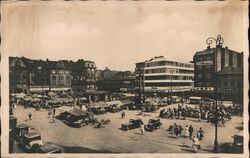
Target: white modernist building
point(161, 75)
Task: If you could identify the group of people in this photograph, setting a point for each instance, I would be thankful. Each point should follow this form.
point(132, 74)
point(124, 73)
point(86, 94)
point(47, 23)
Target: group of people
point(186, 132)
point(199, 112)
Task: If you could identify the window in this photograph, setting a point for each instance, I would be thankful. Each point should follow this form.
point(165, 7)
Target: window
point(200, 76)
point(61, 80)
point(68, 80)
point(53, 72)
point(199, 67)
point(225, 83)
point(208, 76)
point(53, 80)
point(39, 67)
point(232, 83)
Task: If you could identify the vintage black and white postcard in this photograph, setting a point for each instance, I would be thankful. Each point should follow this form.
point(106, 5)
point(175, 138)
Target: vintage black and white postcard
point(124, 79)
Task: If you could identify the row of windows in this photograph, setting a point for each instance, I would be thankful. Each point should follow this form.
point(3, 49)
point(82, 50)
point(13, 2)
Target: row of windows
point(60, 72)
point(168, 77)
point(204, 67)
point(204, 58)
point(168, 84)
point(207, 84)
point(170, 63)
point(60, 80)
point(208, 76)
point(169, 70)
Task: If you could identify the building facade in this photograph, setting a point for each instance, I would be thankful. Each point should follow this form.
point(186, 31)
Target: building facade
point(84, 75)
point(218, 69)
point(159, 75)
point(27, 75)
point(60, 77)
point(116, 81)
point(18, 78)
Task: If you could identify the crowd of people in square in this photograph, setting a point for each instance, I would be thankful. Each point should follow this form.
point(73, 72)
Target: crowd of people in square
point(200, 112)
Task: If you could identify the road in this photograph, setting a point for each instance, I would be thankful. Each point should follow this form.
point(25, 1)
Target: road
point(111, 139)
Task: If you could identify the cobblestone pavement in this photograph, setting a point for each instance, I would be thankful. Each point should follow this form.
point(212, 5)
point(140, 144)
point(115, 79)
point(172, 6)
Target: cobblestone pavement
point(112, 139)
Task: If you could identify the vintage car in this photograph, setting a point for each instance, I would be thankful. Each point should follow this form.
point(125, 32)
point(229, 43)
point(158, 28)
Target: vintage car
point(20, 130)
point(148, 107)
point(76, 118)
point(51, 149)
point(113, 108)
point(12, 122)
point(97, 110)
point(31, 142)
point(153, 124)
point(238, 140)
point(63, 116)
point(132, 124)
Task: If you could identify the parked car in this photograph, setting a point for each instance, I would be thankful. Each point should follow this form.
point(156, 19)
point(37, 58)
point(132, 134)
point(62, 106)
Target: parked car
point(132, 124)
point(113, 108)
point(51, 149)
point(175, 99)
point(97, 110)
point(148, 107)
point(76, 118)
point(194, 100)
point(20, 130)
point(63, 116)
point(153, 124)
point(31, 141)
point(238, 141)
point(12, 122)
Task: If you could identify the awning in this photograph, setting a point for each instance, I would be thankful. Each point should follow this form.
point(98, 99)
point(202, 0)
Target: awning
point(98, 104)
point(77, 112)
point(20, 95)
point(117, 102)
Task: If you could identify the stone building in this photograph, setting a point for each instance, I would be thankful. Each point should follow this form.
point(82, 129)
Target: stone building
point(219, 70)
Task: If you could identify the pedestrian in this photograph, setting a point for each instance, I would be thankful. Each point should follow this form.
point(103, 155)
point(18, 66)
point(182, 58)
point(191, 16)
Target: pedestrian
point(196, 144)
point(199, 116)
point(142, 129)
point(191, 130)
point(176, 131)
point(180, 129)
point(49, 112)
point(53, 118)
point(30, 115)
point(200, 134)
point(54, 111)
point(123, 114)
point(186, 131)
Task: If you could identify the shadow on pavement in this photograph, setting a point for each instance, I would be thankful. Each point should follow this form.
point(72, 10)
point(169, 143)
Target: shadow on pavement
point(187, 149)
point(79, 149)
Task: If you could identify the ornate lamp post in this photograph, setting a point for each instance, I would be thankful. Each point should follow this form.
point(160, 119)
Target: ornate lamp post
point(219, 41)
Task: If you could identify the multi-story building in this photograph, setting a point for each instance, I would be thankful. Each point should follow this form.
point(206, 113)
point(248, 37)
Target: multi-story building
point(159, 75)
point(18, 79)
point(60, 77)
point(219, 68)
point(84, 75)
point(116, 81)
point(40, 76)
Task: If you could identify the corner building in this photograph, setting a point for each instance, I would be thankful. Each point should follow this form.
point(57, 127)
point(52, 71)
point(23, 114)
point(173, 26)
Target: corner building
point(164, 77)
point(219, 68)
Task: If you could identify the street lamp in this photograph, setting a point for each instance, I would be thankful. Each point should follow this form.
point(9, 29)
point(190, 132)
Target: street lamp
point(219, 41)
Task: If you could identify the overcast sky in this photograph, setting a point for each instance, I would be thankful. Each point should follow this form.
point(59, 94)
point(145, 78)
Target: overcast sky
point(118, 35)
